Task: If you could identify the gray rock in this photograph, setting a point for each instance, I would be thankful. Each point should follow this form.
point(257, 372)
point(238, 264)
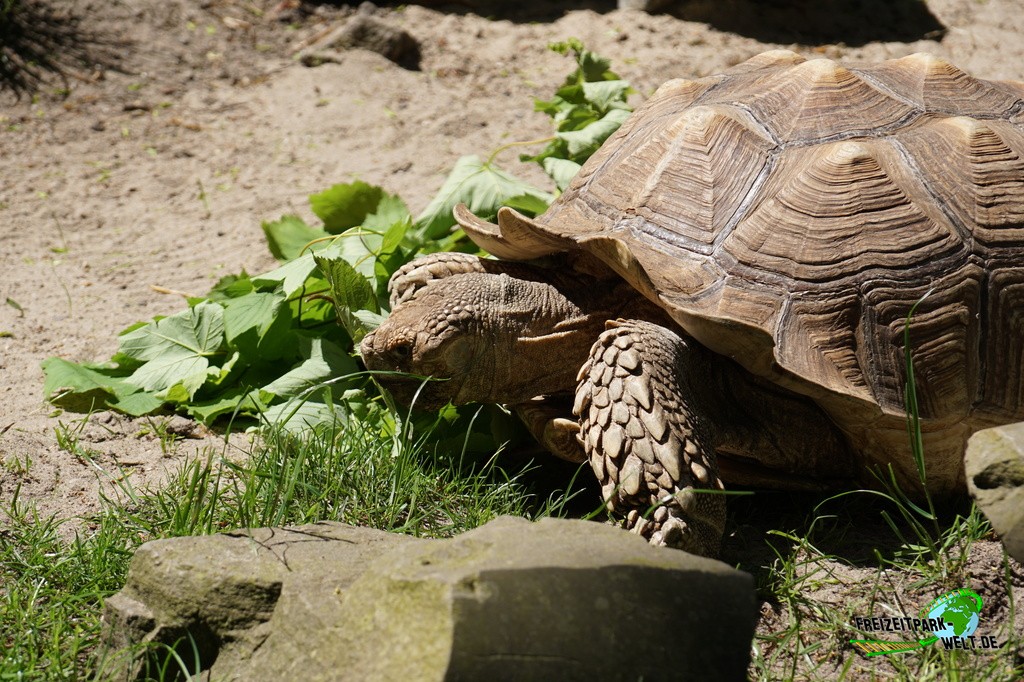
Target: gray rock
point(552, 600)
point(223, 598)
point(557, 599)
point(994, 465)
point(367, 32)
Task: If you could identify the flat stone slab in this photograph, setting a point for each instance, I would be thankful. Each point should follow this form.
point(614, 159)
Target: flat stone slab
point(512, 600)
point(994, 464)
point(233, 598)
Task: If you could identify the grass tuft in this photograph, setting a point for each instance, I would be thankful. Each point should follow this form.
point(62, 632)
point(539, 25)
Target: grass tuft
point(924, 557)
point(51, 589)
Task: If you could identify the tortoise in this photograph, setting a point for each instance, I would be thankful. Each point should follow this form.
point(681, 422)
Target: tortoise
point(721, 292)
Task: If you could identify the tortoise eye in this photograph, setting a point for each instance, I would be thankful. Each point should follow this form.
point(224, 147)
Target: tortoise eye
point(401, 351)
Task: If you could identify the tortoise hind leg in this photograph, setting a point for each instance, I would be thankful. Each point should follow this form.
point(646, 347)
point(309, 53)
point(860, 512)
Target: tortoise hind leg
point(545, 418)
point(647, 438)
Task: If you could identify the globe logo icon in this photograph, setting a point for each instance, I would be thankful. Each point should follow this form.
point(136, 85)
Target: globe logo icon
point(959, 611)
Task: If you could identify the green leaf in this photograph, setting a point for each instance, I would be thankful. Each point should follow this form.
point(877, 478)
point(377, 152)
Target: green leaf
point(178, 393)
point(290, 276)
point(389, 211)
point(83, 387)
point(344, 206)
point(603, 95)
point(351, 292)
point(483, 187)
point(198, 330)
point(230, 286)
point(324, 360)
point(137, 404)
point(80, 387)
point(174, 379)
point(594, 68)
point(586, 141)
point(227, 371)
point(314, 311)
point(175, 350)
point(359, 250)
point(393, 235)
point(588, 108)
point(369, 319)
point(288, 236)
point(301, 416)
point(562, 171)
point(591, 66)
point(528, 204)
point(259, 327)
point(253, 312)
point(391, 255)
point(238, 398)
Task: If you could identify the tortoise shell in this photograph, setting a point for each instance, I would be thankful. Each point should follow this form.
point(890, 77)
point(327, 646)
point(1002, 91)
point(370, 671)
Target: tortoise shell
point(789, 213)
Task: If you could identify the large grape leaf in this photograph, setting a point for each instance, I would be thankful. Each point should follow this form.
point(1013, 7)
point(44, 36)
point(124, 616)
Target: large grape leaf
point(238, 399)
point(348, 205)
point(300, 416)
point(84, 387)
point(288, 236)
point(483, 187)
point(81, 387)
point(176, 350)
point(253, 313)
point(137, 404)
point(562, 171)
point(292, 276)
point(584, 142)
point(324, 360)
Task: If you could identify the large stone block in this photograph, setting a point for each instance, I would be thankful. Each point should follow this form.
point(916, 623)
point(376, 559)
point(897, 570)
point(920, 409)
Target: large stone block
point(994, 465)
point(512, 600)
point(552, 600)
point(234, 598)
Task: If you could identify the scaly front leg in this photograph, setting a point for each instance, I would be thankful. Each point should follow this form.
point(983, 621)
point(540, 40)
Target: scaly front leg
point(647, 437)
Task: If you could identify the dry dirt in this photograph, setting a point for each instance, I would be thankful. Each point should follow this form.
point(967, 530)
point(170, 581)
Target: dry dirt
point(158, 170)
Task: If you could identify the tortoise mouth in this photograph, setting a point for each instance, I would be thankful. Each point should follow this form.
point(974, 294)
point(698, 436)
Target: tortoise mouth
point(420, 393)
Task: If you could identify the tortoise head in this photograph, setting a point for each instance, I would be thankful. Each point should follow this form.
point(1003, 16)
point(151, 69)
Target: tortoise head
point(440, 333)
point(484, 337)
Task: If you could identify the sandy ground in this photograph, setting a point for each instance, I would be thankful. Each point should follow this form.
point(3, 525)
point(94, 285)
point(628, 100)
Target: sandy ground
point(160, 173)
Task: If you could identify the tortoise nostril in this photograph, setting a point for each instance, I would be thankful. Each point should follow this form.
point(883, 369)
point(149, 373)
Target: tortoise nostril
point(366, 345)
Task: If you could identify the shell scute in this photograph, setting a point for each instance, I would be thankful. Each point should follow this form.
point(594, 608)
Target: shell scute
point(815, 100)
point(933, 84)
point(838, 211)
point(976, 167)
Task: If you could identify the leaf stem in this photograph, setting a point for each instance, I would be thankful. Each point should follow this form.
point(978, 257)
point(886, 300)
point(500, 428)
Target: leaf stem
point(519, 143)
point(164, 290)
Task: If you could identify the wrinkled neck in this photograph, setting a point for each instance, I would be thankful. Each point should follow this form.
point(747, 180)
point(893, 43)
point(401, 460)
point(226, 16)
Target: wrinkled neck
point(545, 331)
